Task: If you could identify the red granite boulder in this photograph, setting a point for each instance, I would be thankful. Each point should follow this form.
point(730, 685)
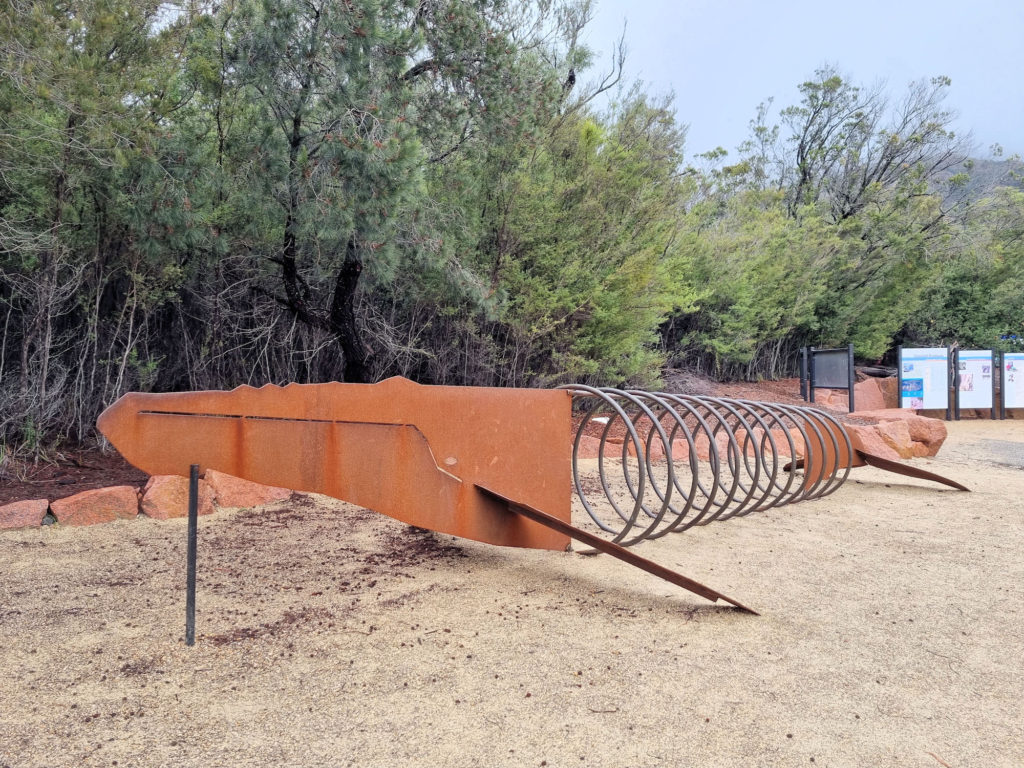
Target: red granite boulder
point(868, 395)
point(102, 505)
point(166, 496)
point(23, 514)
point(231, 491)
point(896, 434)
point(931, 433)
point(867, 438)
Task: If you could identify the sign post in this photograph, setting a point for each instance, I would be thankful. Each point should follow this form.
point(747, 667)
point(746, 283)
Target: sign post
point(803, 373)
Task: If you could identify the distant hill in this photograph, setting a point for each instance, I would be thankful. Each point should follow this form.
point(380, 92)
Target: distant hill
point(986, 175)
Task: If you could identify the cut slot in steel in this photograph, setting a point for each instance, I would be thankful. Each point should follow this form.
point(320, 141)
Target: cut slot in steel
point(495, 465)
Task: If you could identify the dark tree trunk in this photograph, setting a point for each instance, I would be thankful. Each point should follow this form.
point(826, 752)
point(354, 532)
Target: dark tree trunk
point(341, 320)
point(343, 317)
point(295, 287)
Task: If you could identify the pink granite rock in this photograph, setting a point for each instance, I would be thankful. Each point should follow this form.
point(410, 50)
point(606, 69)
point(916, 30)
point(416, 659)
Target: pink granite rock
point(822, 397)
point(868, 395)
point(782, 442)
point(930, 432)
point(102, 505)
point(865, 437)
point(231, 491)
point(896, 435)
point(920, 450)
point(680, 450)
point(166, 496)
point(890, 388)
point(23, 514)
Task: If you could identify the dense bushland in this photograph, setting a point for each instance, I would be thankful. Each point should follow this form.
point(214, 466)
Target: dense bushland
point(250, 191)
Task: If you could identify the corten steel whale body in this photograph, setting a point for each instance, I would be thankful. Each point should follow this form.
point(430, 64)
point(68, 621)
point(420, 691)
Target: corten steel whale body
point(494, 465)
point(409, 451)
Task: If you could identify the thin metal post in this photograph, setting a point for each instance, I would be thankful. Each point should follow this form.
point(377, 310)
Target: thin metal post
point(803, 373)
point(949, 410)
point(956, 383)
point(994, 360)
point(899, 376)
point(1002, 385)
point(851, 377)
point(190, 577)
point(810, 374)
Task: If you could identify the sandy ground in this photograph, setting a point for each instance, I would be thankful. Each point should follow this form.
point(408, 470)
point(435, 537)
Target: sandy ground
point(891, 634)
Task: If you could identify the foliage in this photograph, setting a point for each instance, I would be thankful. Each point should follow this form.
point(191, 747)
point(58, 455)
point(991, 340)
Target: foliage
point(588, 251)
point(830, 229)
point(761, 271)
point(975, 300)
point(206, 195)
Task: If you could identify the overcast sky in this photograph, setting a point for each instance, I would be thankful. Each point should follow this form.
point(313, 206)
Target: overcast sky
point(722, 58)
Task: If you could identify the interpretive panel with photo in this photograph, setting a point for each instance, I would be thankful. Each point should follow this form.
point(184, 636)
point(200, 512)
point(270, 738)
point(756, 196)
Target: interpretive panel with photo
point(974, 378)
point(1013, 379)
point(924, 378)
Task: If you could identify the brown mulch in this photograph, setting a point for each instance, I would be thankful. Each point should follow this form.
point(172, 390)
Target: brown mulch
point(67, 474)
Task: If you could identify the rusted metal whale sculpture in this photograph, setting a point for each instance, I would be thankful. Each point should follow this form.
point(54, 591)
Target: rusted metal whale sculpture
point(408, 451)
point(494, 465)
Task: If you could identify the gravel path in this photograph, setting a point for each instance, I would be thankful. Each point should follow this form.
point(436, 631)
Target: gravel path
point(891, 634)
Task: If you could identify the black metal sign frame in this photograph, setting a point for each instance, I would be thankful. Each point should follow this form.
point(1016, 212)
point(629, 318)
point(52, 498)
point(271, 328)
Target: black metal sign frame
point(826, 369)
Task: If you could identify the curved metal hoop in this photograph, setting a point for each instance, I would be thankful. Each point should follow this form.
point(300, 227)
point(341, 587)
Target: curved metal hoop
point(649, 463)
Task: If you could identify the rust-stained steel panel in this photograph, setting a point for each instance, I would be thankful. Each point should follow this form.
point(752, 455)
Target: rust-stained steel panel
point(397, 447)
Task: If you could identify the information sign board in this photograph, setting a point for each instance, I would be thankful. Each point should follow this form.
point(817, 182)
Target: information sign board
point(832, 368)
point(924, 378)
point(974, 378)
point(1013, 379)
point(827, 369)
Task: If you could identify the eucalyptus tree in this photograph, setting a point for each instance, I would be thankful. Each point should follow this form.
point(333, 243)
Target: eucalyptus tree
point(973, 300)
point(867, 177)
point(877, 169)
point(847, 143)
